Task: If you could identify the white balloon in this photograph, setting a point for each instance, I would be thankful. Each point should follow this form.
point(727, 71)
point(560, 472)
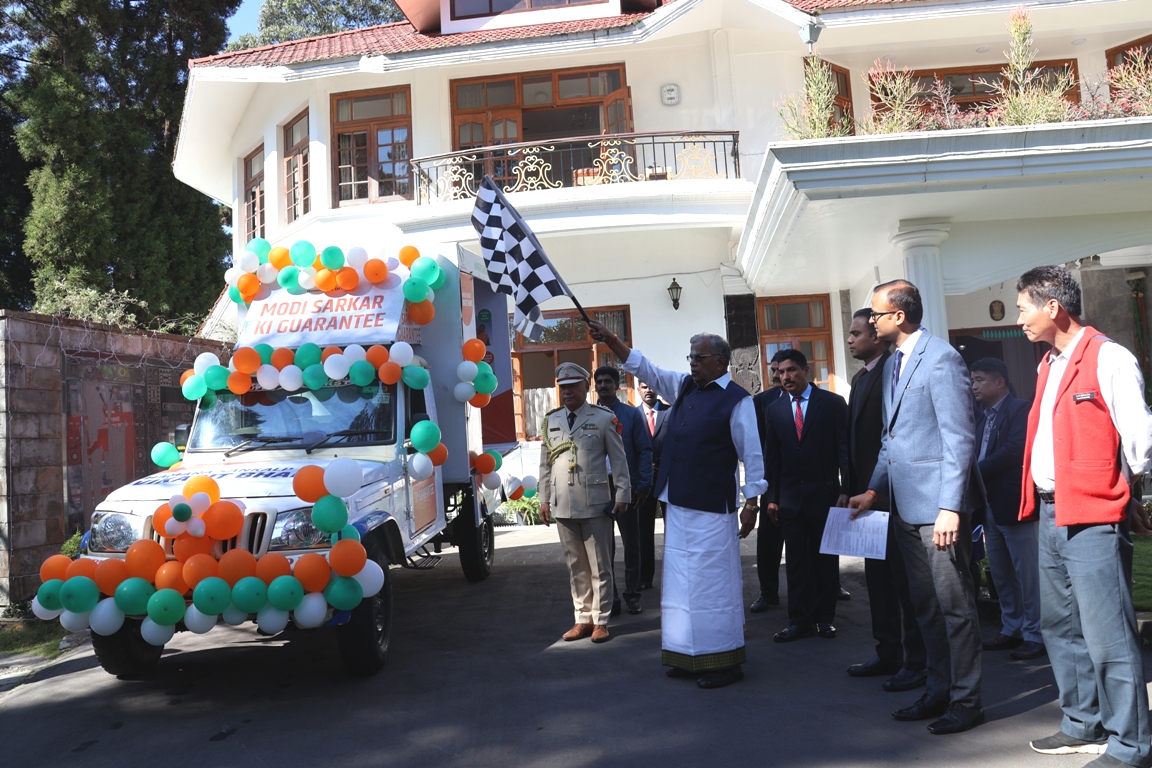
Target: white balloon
point(420, 467)
point(267, 376)
point(200, 502)
point(247, 261)
point(511, 483)
point(343, 477)
point(355, 258)
point(491, 481)
point(431, 297)
point(529, 483)
point(204, 361)
point(232, 275)
point(311, 612)
point(74, 622)
point(467, 371)
point(240, 504)
point(153, 633)
point(271, 620)
point(354, 353)
point(198, 622)
point(371, 578)
point(267, 273)
point(42, 612)
point(401, 353)
point(336, 366)
point(291, 378)
point(197, 527)
point(174, 527)
point(106, 619)
point(464, 391)
point(306, 281)
point(177, 499)
point(392, 263)
point(234, 616)
point(231, 365)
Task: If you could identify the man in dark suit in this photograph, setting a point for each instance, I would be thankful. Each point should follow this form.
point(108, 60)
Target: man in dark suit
point(806, 465)
point(654, 414)
point(899, 645)
point(769, 537)
point(1013, 546)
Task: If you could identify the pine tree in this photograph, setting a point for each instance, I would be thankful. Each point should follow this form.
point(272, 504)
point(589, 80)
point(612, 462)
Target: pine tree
point(283, 20)
point(15, 199)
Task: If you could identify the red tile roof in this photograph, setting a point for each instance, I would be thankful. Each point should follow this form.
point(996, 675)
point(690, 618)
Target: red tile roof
point(812, 6)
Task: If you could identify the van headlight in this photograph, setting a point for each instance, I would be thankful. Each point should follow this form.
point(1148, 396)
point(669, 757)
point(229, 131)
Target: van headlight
point(114, 532)
point(294, 530)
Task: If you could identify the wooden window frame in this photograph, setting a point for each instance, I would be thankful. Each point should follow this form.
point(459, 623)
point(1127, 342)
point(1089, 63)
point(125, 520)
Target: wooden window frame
point(371, 126)
point(255, 218)
point(1111, 53)
point(455, 17)
point(844, 100)
point(293, 154)
point(795, 336)
point(1072, 94)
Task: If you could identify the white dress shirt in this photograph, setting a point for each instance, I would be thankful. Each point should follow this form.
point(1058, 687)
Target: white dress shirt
point(1121, 387)
point(742, 422)
point(805, 396)
point(906, 348)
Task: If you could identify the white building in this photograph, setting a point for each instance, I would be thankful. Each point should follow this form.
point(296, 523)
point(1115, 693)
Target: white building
point(641, 141)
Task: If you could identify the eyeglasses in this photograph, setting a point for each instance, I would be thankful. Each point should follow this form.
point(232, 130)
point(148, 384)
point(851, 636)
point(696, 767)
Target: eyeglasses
point(873, 317)
point(700, 358)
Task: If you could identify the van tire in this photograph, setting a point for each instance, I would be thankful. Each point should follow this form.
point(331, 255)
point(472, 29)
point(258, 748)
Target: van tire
point(477, 545)
point(126, 653)
point(364, 640)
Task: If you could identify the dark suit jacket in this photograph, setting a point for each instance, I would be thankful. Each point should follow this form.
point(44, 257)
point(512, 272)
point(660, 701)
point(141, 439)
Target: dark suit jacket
point(662, 411)
point(1002, 466)
point(805, 476)
point(865, 427)
point(760, 402)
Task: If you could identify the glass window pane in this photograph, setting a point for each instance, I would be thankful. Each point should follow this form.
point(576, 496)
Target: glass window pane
point(793, 315)
point(770, 318)
point(537, 90)
point(298, 132)
point(806, 349)
point(985, 83)
point(820, 349)
point(400, 103)
point(368, 107)
point(499, 6)
point(816, 310)
point(255, 165)
point(604, 82)
point(343, 110)
point(502, 92)
point(574, 85)
point(470, 96)
point(470, 7)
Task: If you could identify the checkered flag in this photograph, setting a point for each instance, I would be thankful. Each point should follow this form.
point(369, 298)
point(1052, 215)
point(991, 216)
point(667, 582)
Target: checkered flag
point(516, 263)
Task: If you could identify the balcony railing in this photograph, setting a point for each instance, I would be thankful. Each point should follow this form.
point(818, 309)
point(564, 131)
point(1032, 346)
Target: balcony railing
point(611, 159)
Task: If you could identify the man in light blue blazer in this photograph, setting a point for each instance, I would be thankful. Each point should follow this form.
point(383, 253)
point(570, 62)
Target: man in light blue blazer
point(927, 467)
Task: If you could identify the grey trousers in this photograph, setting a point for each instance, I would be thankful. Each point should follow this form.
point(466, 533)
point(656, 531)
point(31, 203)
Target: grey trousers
point(945, 602)
point(1089, 627)
point(1014, 554)
point(587, 546)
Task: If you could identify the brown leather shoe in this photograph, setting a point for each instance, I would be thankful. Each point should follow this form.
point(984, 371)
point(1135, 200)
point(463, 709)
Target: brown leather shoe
point(579, 631)
point(600, 634)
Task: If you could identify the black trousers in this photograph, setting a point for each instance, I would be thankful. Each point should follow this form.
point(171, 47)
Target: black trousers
point(769, 552)
point(894, 624)
point(813, 578)
point(647, 519)
point(629, 525)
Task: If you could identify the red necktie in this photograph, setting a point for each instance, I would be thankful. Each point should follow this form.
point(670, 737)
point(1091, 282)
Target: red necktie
point(799, 417)
point(651, 421)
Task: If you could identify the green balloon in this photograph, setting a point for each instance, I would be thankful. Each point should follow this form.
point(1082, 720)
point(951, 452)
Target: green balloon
point(415, 376)
point(182, 513)
point(166, 607)
point(132, 596)
point(483, 367)
point(529, 494)
point(347, 532)
point(362, 373)
point(285, 593)
point(485, 383)
point(441, 279)
point(234, 294)
point(415, 290)
point(288, 277)
point(194, 387)
point(329, 514)
point(250, 594)
point(332, 257)
point(499, 459)
point(314, 377)
point(165, 455)
point(49, 594)
point(425, 269)
point(208, 400)
point(302, 253)
point(343, 593)
point(265, 351)
point(425, 436)
point(79, 594)
point(211, 596)
point(216, 377)
point(260, 247)
point(308, 354)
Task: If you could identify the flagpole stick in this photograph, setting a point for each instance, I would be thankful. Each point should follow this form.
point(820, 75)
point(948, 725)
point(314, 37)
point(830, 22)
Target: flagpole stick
point(582, 312)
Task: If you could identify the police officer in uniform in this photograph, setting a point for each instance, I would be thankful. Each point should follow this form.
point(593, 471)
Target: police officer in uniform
point(575, 492)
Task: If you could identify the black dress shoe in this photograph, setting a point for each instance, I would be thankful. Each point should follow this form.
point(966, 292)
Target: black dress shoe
point(906, 680)
point(677, 672)
point(764, 602)
point(634, 605)
point(615, 607)
point(1003, 643)
point(826, 631)
point(924, 709)
point(721, 678)
point(793, 632)
point(874, 667)
point(1028, 650)
point(958, 718)
point(843, 594)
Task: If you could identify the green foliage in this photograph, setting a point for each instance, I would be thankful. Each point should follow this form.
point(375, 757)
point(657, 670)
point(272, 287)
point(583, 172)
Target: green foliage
point(15, 199)
point(18, 610)
point(1142, 573)
point(528, 509)
point(812, 114)
point(1029, 96)
point(897, 102)
point(1131, 83)
point(283, 20)
point(39, 638)
point(71, 547)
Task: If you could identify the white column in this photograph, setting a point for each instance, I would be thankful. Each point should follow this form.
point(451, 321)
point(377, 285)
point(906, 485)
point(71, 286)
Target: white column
point(920, 241)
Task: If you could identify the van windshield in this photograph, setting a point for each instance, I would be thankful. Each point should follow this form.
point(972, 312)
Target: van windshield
point(278, 419)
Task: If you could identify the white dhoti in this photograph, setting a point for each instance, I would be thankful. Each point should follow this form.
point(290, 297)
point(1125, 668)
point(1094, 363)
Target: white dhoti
point(702, 591)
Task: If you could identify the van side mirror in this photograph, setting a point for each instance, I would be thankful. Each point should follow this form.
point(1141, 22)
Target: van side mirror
point(180, 436)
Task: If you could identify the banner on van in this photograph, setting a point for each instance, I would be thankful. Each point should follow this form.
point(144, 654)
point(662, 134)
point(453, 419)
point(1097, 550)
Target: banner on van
point(369, 315)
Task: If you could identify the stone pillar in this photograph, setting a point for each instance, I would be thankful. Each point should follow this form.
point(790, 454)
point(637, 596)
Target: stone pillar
point(744, 336)
point(920, 241)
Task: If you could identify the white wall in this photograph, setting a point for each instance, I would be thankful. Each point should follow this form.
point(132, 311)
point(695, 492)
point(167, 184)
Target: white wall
point(971, 310)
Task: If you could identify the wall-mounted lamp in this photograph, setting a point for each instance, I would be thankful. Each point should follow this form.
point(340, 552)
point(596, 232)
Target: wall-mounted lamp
point(674, 293)
point(809, 34)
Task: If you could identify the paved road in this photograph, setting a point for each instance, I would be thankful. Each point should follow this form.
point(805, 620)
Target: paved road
point(478, 677)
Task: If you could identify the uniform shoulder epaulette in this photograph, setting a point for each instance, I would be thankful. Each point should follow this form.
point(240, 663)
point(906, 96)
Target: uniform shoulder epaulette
point(604, 408)
point(553, 411)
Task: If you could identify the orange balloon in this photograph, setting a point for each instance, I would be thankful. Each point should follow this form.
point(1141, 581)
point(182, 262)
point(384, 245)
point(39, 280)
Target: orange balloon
point(82, 566)
point(329, 351)
point(188, 546)
point(438, 455)
point(282, 358)
point(347, 557)
point(279, 257)
point(485, 464)
point(375, 271)
point(479, 401)
point(202, 484)
point(347, 278)
point(409, 254)
point(176, 466)
point(239, 383)
point(171, 576)
point(109, 574)
point(248, 284)
point(246, 360)
point(223, 520)
point(308, 483)
point(186, 375)
point(159, 518)
point(236, 564)
point(377, 355)
point(474, 350)
point(422, 312)
point(390, 372)
point(317, 264)
point(325, 279)
point(313, 572)
point(519, 492)
point(55, 567)
point(272, 566)
point(199, 567)
point(144, 558)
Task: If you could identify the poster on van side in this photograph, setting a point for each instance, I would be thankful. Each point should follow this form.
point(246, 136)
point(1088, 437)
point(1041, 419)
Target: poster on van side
point(367, 315)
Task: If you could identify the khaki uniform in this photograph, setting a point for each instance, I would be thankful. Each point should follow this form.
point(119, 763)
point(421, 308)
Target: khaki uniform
point(574, 480)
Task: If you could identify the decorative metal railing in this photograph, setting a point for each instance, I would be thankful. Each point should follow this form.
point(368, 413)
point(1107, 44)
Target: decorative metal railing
point(611, 159)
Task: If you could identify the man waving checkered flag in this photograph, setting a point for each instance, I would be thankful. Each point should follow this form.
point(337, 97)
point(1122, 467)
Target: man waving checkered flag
point(516, 263)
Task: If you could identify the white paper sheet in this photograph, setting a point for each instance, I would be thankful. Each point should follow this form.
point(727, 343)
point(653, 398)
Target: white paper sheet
point(866, 536)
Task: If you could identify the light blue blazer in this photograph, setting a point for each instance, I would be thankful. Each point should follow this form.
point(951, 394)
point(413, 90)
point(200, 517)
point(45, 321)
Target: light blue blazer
point(927, 456)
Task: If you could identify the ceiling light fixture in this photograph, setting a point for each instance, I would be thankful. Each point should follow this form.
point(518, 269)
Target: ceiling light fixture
point(1080, 41)
point(983, 49)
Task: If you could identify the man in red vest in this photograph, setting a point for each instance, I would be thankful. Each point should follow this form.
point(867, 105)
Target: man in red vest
point(1089, 441)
